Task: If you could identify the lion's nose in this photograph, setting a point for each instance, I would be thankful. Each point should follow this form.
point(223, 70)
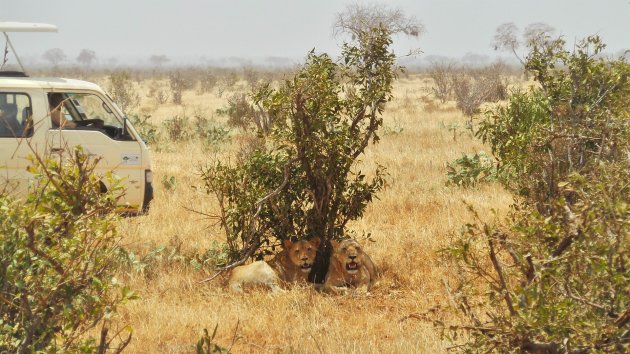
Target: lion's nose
point(352, 257)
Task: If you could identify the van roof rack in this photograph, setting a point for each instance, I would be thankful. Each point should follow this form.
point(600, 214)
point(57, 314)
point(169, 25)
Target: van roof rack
point(6, 27)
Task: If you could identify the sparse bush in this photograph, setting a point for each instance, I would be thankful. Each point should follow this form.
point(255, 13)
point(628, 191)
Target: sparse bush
point(178, 128)
point(179, 82)
point(553, 277)
point(122, 90)
point(158, 91)
point(472, 88)
point(246, 115)
point(467, 97)
point(239, 111)
point(442, 80)
point(251, 75)
point(226, 82)
point(207, 81)
point(491, 80)
point(208, 132)
point(147, 130)
point(56, 261)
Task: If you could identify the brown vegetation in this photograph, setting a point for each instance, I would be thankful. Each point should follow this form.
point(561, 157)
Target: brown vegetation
point(413, 218)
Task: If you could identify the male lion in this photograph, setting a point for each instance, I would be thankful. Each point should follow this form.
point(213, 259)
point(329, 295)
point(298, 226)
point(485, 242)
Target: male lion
point(291, 265)
point(349, 267)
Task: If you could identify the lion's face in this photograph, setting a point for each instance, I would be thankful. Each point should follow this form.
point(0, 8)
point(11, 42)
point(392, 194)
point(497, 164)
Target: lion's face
point(349, 255)
point(302, 253)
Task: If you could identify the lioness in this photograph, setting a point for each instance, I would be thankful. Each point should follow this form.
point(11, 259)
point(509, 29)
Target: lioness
point(291, 265)
point(349, 267)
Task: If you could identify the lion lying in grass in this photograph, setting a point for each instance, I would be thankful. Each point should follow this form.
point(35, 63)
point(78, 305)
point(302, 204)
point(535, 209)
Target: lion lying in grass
point(291, 265)
point(349, 268)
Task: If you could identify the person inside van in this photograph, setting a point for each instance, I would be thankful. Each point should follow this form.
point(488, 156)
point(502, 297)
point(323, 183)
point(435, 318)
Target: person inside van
point(57, 116)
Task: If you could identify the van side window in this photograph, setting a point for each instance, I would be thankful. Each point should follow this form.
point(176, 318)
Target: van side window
point(85, 111)
point(16, 115)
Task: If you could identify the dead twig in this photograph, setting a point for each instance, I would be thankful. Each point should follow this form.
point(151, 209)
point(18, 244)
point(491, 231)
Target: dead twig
point(502, 283)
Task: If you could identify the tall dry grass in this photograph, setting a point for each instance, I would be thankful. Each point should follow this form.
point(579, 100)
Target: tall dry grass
point(410, 222)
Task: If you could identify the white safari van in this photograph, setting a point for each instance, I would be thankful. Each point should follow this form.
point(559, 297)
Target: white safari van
point(83, 115)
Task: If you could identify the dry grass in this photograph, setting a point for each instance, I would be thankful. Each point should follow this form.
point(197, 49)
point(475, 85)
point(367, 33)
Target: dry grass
point(410, 221)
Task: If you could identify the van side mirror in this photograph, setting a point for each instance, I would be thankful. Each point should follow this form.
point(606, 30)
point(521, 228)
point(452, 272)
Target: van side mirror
point(124, 131)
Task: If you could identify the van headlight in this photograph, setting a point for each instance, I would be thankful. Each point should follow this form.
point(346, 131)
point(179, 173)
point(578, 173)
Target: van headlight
point(148, 176)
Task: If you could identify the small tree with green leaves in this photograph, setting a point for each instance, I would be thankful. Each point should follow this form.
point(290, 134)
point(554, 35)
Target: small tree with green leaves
point(302, 181)
point(553, 277)
point(57, 257)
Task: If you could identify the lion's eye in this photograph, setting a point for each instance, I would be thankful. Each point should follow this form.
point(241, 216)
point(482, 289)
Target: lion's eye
point(344, 249)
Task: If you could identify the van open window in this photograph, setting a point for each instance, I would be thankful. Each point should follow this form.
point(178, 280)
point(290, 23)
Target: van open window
point(88, 111)
point(15, 115)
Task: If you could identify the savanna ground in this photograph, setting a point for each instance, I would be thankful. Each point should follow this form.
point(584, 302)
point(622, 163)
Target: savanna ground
point(409, 222)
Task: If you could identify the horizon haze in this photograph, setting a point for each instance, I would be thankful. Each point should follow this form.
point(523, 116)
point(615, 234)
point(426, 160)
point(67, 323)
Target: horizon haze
point(250, 31)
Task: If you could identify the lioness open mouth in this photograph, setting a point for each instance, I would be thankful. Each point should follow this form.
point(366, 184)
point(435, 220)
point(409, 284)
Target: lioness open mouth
point(306, 267)
point(352, 267)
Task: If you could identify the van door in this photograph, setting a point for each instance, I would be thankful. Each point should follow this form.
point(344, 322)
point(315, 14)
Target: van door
point(91, 123)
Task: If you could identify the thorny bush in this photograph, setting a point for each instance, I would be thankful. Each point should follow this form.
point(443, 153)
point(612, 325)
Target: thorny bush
point(302, 181)
point(57, 254)
point(553, 277)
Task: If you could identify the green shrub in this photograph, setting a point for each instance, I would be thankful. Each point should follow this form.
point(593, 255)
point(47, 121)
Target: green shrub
point(147, 130)
point(553, 276)
point(471, 169)
point(57, 256)
point(178, 128)
point(208, 131)
point(301, 181)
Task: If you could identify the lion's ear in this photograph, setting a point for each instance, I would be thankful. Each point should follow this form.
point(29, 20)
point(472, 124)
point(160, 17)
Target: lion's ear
point(335, 244)
point(316, 242)
point(287, 244)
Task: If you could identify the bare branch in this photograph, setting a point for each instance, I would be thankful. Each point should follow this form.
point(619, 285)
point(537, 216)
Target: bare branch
point(358, 18)
point(504, 288)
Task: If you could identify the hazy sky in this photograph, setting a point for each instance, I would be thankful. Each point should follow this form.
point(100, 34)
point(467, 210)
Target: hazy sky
point(290, 28)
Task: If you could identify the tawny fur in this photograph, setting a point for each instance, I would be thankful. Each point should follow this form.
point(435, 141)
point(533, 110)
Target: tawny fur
point(292, 265)
point(350, 268)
